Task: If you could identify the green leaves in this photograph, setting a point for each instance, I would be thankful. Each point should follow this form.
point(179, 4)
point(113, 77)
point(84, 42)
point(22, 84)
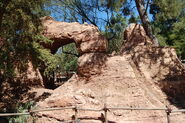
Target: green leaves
point(22, 109)
point(168, 9)
point(169, 24)
point(114, 33)
point(67, 59)
point(20, 28)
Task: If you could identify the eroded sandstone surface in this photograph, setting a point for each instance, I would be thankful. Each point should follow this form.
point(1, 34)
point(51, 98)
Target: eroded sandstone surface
point(87, 37)
point(131, 79)
point(155, 63)
point(90, 43)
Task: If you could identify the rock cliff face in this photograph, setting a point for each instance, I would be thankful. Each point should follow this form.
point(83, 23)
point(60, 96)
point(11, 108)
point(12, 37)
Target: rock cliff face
point(132, 79)
point(91, 45)
point(155, 63)
point(135, 35)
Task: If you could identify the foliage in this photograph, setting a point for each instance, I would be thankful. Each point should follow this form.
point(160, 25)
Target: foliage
point(114, 33)
point(169, 23)
point(178, 37)
point(20, 31)
point(44, 59)
point(164, 10)
point(67, 58)
point(20, 108)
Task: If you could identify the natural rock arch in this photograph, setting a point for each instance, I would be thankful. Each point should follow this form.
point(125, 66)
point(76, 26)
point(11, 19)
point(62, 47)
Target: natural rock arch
point(87, 37)
point(90, 43)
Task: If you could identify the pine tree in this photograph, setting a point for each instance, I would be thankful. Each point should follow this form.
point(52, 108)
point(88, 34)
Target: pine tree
point(169, 23)
point(20, 29)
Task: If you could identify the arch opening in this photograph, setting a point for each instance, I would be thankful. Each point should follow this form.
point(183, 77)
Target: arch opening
point(89, 43)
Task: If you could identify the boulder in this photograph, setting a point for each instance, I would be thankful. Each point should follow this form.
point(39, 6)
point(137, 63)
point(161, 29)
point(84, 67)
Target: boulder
point(135, 35)
point(91, 64)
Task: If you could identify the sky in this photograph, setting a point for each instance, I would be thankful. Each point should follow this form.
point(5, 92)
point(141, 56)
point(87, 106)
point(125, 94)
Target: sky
point(57, 14)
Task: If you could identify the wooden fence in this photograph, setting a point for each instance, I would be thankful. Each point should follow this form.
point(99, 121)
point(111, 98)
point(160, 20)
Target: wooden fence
point(105, 109)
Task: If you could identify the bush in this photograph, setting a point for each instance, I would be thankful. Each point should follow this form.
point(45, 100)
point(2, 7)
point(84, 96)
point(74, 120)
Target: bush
point(21, 109)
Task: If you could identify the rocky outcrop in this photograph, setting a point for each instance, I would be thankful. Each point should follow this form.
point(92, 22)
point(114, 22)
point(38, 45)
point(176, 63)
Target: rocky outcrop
point(90, 44)
point(87, 37)
point(119, 85)
point(91, 47)
point(31, 77)
point(159, 64)
point(135, 35)
point(127, 80)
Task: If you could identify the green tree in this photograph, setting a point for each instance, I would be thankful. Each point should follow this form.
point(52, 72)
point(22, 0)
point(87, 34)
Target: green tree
point(20, 35)
point(114, 33)
point(67, 58)
point(169, 23)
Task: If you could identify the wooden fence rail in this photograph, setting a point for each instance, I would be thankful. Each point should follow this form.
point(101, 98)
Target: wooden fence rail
point(105, 109)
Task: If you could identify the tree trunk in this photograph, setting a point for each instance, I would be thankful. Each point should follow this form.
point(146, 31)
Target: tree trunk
point(145, 21)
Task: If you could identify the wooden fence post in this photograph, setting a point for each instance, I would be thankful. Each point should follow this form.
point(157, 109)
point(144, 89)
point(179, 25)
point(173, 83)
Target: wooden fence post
point(105, 111)
point(76, 114)
point(33, 116)
point(168, 111)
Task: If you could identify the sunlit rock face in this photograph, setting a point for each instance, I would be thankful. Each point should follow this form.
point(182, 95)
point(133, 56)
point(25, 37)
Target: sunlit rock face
point(87, 37)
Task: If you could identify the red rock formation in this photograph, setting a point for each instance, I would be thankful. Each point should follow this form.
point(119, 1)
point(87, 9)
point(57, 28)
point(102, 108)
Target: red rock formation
point(87, 37)
point(135, 35)
point(91, 45)
point(127, 80)
point(154, 62)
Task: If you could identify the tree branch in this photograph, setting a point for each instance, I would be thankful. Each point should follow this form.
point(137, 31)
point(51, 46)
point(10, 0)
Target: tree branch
point(71, 53)
point(146, 7)
point(82, 13)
